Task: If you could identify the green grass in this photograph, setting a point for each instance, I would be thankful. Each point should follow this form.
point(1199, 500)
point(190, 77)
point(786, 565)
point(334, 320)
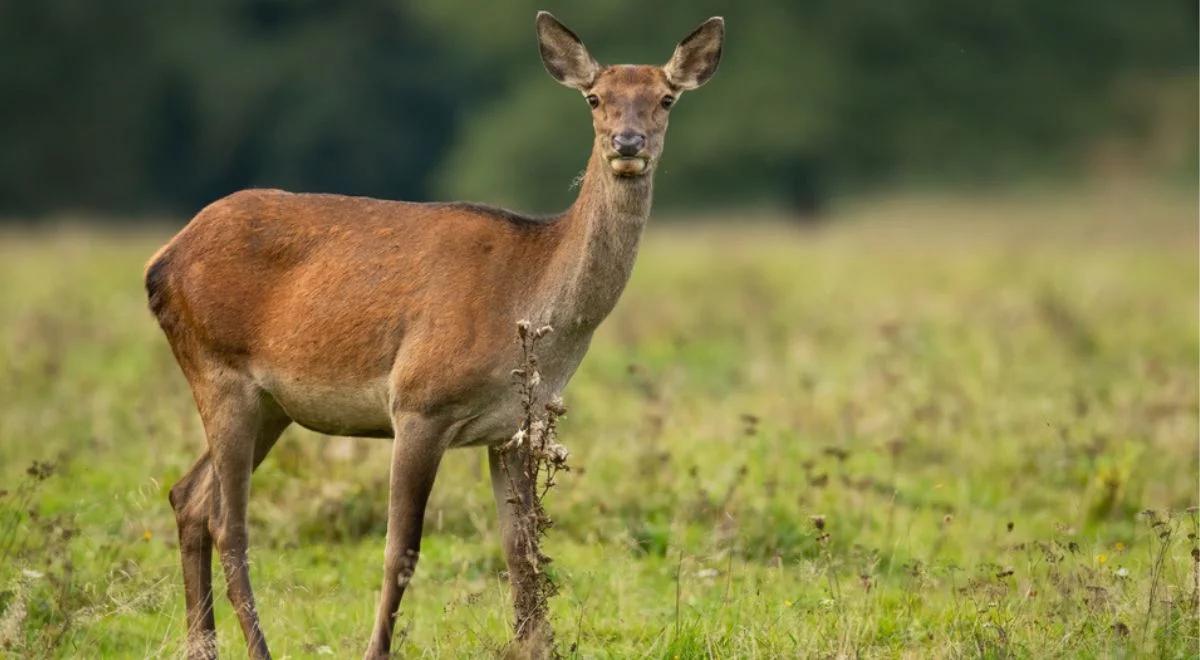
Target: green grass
point(978, 396)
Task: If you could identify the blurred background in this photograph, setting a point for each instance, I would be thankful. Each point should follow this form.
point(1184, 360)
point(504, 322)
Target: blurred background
point(133, 108)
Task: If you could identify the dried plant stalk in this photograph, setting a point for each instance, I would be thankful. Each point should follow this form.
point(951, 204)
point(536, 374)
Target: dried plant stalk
point(539, 457)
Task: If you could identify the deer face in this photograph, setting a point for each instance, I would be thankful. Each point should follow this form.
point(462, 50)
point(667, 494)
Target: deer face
point(630, 103)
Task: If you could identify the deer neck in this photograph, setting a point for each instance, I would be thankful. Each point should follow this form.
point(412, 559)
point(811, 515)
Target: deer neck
point(602, 231)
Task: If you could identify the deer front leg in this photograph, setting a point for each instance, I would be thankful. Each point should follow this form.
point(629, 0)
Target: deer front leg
point(514, 490)
point(416, 452)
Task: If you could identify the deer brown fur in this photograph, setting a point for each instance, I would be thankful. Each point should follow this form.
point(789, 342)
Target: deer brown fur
point(365, 317)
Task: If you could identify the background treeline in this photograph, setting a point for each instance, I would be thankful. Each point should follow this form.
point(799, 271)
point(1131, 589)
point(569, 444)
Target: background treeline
point(133, 106)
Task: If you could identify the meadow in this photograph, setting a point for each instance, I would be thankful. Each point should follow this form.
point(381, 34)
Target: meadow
point(931, 426)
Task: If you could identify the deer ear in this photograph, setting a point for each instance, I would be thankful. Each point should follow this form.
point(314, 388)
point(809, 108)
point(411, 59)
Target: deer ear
point(563, 53)
point(697, 56)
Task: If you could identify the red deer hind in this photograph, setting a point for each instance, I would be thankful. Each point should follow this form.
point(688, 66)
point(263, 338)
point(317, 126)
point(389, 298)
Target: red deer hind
point(363, 317)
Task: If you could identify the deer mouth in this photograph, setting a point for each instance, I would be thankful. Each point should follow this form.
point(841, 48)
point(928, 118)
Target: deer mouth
point(629, 165)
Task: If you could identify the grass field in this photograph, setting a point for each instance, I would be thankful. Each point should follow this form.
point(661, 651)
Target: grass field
point(928, 428)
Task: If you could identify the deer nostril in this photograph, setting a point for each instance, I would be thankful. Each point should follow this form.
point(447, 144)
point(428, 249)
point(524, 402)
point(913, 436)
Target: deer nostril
point(629, 144)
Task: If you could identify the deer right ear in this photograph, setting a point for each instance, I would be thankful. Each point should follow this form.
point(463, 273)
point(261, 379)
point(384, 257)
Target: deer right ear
point(563, 54)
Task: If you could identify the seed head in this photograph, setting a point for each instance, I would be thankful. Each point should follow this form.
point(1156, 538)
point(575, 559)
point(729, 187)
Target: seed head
point(556, 406)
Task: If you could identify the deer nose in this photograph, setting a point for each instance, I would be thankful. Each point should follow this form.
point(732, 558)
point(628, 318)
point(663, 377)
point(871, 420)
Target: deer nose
point(628, 143)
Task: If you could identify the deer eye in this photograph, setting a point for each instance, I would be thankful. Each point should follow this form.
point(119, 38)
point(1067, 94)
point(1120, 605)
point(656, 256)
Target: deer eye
point(667, 102)
point(593, 101)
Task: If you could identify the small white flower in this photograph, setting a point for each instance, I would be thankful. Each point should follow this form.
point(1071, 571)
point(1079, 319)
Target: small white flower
point(324, 649)
point(1122, 572)
point(518, 438)
point(707, 573)
point(31, 574)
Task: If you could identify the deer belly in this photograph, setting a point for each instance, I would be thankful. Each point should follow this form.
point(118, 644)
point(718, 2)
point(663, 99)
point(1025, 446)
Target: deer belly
point(359, 409)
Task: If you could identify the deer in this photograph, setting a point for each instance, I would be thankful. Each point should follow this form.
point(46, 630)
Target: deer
point(354, 316)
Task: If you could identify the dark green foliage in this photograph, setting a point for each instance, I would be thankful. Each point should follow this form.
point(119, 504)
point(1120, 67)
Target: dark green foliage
point(130, 105)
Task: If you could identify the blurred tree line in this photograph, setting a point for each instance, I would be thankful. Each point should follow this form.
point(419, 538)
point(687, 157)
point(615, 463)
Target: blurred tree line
point(134, 106)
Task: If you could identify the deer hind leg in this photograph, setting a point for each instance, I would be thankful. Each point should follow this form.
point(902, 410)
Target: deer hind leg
point(242, 424)
point(190, 499)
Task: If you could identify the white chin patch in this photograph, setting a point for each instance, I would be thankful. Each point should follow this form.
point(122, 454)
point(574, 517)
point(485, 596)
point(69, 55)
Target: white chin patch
point(628, 166)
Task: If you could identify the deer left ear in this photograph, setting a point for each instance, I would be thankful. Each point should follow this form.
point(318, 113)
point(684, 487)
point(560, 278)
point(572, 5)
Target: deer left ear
point(697, 56)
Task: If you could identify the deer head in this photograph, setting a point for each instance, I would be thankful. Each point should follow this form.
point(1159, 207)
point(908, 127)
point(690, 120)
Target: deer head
point(630, 103)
